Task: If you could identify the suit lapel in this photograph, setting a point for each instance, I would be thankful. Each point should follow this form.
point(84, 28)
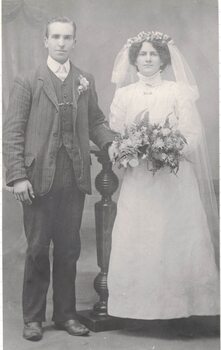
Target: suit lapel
point(48, 85)
point(76, 75)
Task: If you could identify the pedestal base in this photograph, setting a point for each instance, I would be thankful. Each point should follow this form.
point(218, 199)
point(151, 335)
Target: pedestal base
point(100, 323)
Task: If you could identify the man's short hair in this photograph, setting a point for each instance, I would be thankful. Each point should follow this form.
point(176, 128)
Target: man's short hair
point(61, 19)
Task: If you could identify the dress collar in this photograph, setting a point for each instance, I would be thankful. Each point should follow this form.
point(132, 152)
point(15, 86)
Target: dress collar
point(54, 66)
point(154, 80)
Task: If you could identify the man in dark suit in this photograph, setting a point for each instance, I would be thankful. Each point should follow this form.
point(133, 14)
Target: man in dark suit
point(52, 114)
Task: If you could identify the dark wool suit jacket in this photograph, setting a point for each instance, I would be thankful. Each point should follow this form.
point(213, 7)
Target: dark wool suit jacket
point(32, 129)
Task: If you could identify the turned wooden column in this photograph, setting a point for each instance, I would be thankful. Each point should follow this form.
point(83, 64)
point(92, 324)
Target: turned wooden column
point(106, 183)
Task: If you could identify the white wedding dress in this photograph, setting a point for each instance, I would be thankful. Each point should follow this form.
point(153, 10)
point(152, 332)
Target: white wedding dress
point(162, 262)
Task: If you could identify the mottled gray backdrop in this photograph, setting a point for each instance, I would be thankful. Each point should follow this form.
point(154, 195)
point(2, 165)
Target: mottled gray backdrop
point(103, 26)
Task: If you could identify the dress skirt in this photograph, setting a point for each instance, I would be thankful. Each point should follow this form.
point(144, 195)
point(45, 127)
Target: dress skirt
point(162, 261)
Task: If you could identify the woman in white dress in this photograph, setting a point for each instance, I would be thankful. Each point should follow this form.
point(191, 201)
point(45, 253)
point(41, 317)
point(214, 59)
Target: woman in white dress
point(162, 263)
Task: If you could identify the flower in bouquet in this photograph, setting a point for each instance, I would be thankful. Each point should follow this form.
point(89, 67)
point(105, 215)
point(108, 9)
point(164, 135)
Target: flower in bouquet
point(159, 144)
point(131, 146)
point(166, 146)
point(125, 149)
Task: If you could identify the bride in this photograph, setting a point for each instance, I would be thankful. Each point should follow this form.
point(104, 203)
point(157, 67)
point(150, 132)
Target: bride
point(162, 262)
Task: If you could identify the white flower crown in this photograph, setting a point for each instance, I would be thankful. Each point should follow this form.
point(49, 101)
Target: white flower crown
point(149, 36)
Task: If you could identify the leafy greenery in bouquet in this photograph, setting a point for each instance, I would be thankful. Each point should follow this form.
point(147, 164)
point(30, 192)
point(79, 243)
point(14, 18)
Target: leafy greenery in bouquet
point(161, 145)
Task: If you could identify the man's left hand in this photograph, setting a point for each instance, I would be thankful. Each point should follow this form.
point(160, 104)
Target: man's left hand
point(111, 153)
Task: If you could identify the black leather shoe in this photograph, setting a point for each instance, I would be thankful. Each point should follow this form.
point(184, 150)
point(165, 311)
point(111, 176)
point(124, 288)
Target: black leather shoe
point(73, 327)
point(33, 331)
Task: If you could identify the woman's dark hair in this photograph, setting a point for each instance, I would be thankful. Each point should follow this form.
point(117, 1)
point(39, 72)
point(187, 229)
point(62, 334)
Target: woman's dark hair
point(161, 48)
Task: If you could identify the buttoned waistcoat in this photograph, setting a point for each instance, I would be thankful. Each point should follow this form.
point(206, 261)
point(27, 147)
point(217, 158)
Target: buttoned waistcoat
point(32, 128)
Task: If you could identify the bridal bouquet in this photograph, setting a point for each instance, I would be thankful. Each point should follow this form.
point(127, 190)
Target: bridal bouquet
point(161, 145)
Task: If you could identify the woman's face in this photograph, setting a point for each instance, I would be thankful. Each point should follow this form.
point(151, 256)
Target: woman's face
point(148, 61)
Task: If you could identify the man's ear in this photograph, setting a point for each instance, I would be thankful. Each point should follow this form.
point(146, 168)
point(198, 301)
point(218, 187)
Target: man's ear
point(46, 42)
point(74, 43)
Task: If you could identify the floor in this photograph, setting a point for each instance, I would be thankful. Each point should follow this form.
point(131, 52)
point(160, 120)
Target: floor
point(136, 335)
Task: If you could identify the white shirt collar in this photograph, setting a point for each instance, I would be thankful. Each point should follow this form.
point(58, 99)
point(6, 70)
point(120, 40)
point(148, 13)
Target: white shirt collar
point(54, 66)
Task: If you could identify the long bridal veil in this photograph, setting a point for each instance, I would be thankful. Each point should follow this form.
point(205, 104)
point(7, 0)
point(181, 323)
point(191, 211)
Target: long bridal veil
point(124, 73)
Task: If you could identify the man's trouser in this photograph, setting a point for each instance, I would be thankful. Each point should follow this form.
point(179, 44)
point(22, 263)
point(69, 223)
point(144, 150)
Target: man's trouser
point(54, 217)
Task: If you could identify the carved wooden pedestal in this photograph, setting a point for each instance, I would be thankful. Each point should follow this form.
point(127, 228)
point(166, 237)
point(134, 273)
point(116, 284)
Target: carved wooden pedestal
point(106, 183)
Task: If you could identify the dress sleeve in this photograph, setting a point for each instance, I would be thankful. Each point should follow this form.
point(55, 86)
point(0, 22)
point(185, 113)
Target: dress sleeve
point(117, 115)
point(188, 118)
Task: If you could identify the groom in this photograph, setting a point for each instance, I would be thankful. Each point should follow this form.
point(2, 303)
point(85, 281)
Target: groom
point(52, 114)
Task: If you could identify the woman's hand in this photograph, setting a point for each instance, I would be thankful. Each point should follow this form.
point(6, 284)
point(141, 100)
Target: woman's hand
point(23, 191)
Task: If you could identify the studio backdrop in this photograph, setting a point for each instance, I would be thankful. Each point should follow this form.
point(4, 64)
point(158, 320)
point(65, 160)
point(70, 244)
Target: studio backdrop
point(103, 26)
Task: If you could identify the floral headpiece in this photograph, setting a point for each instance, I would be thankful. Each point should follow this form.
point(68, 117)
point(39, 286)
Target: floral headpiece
point(150, 36)
point(124, 73)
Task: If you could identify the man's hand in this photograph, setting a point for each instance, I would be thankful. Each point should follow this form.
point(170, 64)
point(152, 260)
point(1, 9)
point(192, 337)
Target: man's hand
point(23, 191)
point(112, 153)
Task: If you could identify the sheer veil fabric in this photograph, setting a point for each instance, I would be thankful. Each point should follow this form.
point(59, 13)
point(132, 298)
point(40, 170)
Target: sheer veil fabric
point(124, 74)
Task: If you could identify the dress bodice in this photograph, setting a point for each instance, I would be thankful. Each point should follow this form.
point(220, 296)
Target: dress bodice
point(161, 100)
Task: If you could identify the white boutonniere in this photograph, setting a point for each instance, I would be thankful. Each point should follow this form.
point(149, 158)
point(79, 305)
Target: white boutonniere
point(83, 84)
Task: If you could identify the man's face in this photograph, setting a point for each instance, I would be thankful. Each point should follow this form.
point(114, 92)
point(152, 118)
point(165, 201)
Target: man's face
point(60, 41)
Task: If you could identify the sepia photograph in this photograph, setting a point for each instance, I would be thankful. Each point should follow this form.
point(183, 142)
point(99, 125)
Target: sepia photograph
point(110, 175)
